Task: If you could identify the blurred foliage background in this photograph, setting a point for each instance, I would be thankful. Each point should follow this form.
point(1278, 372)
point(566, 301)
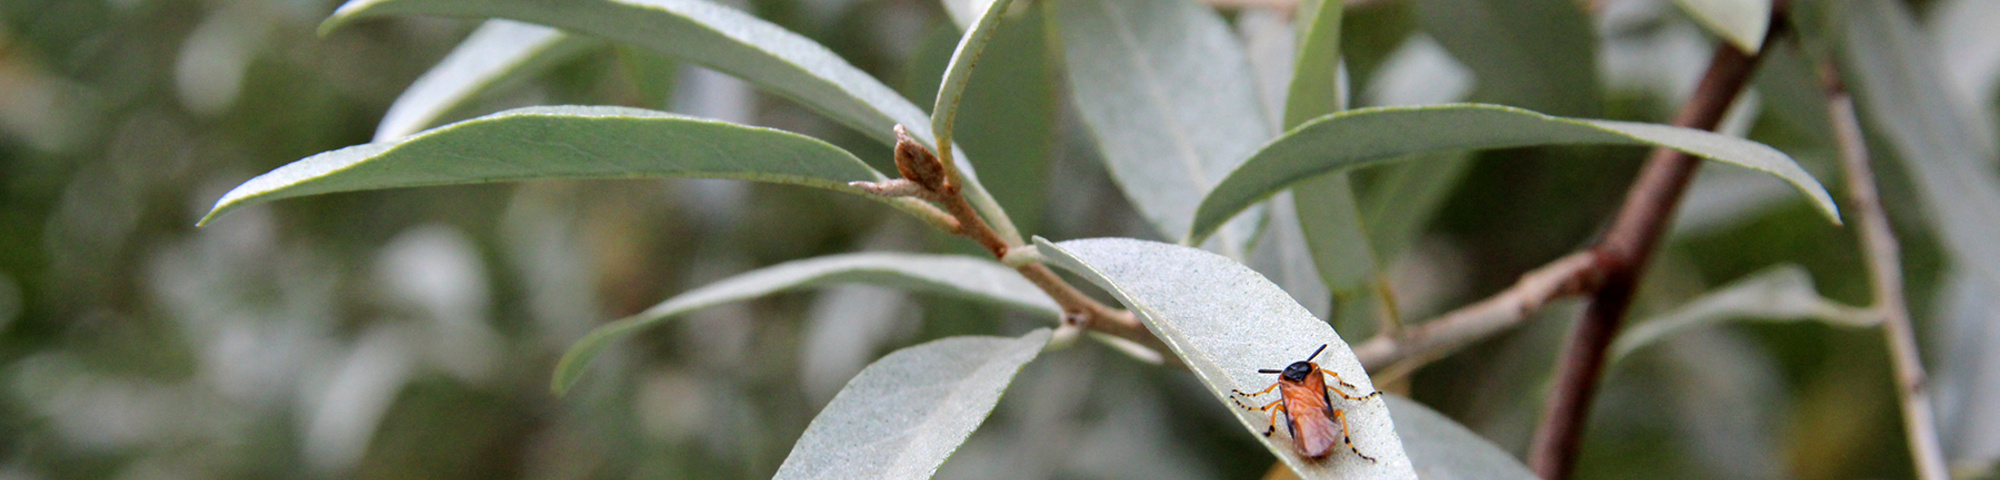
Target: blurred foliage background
point(411, 333)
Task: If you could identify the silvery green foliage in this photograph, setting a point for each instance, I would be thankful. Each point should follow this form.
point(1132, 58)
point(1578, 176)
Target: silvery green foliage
point(904, 415)
point(1225, 322)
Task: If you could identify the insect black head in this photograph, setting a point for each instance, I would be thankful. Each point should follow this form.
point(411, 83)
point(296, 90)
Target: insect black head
point(1297, 371)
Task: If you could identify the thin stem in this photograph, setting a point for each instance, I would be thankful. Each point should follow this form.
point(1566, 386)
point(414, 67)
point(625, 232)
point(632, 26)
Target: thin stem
point(1078, 309)
point(1392, 355)
point(1623, 255)
point(1885, 278)
point(926, 177)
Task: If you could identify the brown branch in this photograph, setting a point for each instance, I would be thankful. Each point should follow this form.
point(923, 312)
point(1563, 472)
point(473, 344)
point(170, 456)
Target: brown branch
point(1885, 277)
point(1623, 254)
point(925, 177)
point(1394, 355)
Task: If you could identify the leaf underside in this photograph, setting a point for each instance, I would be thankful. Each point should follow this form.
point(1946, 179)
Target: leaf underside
point(900, 418)
point(1225, 322)
point(540, 143)
point(954, 275)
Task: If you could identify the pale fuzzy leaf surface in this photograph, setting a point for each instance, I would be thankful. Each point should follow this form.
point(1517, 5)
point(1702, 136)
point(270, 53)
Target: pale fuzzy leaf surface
point(1778, 294)
point(726, 40)
point(1166, 90)
point(964, 12)
point(722, 38)
point(1370, 136)
point(537, 143)
point(1902, 98)
point(954, 275)
point(906, 413)
point(1225, 322)
point(958, 73)
point(1740, 22)
point(1970, 49)
point(1967, 334)
point(1441, 449)
point(500, 50)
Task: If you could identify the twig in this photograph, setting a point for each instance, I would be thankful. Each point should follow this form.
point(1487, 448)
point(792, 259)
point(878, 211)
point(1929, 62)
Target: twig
point(1623, 254)
point(926, 177)
point(1885, 277)
point(1393, 355)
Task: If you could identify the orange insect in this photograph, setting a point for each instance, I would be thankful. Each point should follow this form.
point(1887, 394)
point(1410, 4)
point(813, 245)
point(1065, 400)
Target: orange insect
point(1309, 412)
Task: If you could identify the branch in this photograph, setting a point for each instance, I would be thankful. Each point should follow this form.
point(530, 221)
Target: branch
point(1885, 277)
point(926, 177)
point(1623, 253)
point(1394, 355)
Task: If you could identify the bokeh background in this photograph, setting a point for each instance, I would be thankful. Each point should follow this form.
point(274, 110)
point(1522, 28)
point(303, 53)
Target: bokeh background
point(411, 333)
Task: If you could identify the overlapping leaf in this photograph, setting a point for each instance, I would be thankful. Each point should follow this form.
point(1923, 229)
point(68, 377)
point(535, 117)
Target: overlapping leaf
point(1950, 159)
point(1740, 22)
point(498, 51)
point(1441, 449)
point(563, 142)
point(1783, 293)
point(958, 276)
point(1166, 90)
point(1374, 135)
point(1225, 322)
point(722, 38)
point(905, 414)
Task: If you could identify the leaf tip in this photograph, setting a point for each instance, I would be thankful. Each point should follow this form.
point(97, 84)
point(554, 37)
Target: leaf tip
point(570, 368)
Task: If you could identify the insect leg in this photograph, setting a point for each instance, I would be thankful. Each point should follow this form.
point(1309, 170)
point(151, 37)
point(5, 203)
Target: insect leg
point(1234, 393)
point(1274, 416)
point(1337, 379)
point(1348, 438)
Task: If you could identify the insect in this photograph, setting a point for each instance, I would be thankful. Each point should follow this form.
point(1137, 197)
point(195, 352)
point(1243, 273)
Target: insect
point(1309, 414)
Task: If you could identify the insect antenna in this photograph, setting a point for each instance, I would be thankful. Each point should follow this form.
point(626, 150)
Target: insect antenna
point(1322, 347)
point(1269, 370)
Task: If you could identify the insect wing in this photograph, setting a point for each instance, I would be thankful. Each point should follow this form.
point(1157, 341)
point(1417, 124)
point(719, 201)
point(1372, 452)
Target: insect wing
point(1313, 431)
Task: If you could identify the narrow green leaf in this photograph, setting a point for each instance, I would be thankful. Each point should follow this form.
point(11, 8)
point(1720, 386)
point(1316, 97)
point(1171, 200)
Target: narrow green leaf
point(1441, 449)
point(1740, 22)
point(958, 73)
point(499, 51)
point(1538, 54)
point(905, 414)
point(562, 142)
point(1165, 88)
point(1332, 223)
point(958, 276)
point(1964, 32)
point(1783, 293)
point(1225, 322)
point(1327, 209)
point(1375, 135)
point(1896, 85)
point(1315, 86)
point(724, 39)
